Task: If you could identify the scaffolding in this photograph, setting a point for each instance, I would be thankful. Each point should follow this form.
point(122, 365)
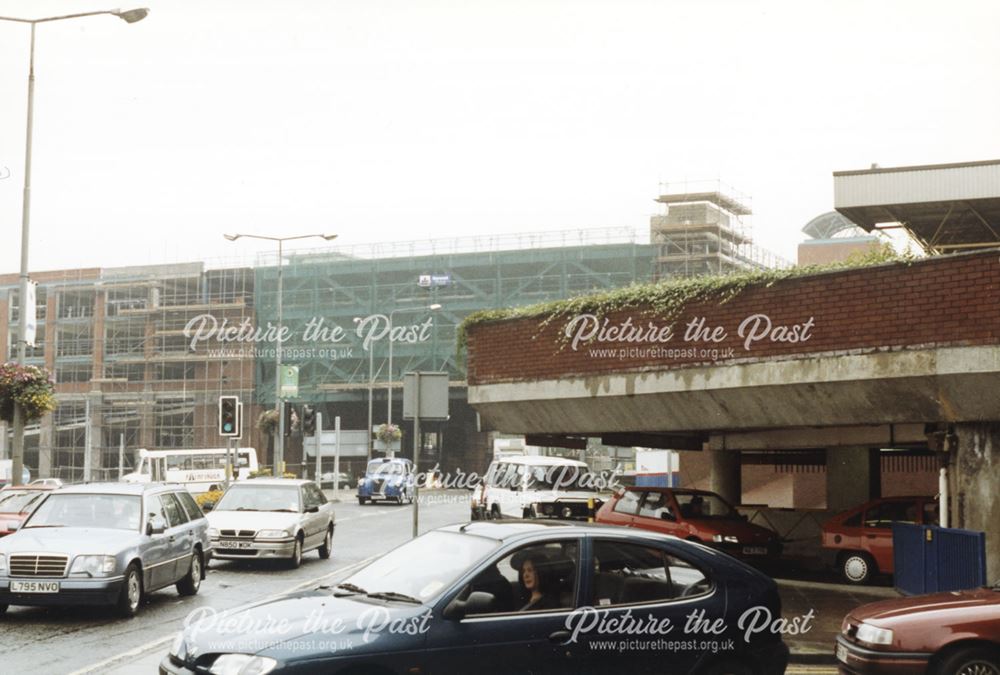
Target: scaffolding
point(704, 230)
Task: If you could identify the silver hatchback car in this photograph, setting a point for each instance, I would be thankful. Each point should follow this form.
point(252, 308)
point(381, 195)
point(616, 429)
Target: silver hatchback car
point(105, 543)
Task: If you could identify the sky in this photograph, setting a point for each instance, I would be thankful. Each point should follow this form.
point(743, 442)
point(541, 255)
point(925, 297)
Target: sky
point(400, 120)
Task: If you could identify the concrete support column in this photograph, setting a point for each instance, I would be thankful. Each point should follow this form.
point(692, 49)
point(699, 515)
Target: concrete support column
point(853, 476)
point(725, 477)
point(976, 502)
point(46, 434)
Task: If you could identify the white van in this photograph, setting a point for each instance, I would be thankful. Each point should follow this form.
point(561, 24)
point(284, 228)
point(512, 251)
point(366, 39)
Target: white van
point(526, 486)
point(200, 470)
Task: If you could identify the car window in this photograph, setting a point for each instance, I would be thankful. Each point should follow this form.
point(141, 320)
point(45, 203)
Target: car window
point(629, 574)
point(189, 504)
point(309, 496)
point(655, 505)
point(883, 515)
point(534, 578)
point(316, 495)
point(932, 513)
point(154, 509)
point(628, 503)
point(175, 513)
point(854, 521)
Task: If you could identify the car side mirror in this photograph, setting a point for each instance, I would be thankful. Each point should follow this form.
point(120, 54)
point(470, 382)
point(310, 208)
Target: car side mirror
point(745, 518)
point(312, 509)
point(155, 525)
point(666, 515)
point(207, 506)
point(12, 525)
point(478, 602)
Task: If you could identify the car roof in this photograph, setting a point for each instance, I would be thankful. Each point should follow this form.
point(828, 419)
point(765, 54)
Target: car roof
point(539, 460)
point(660, 488)
point(37, 487)
point(504, 530)
point(118, 488)
point(272, 481)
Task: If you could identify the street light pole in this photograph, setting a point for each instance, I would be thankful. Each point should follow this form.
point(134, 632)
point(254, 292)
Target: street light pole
point(279, 442)
point(129, 16)
point(432, 308)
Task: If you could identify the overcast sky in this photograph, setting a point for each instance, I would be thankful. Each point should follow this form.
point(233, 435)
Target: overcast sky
point(413, 119)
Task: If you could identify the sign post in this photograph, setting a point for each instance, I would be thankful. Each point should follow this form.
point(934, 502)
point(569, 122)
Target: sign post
point(425, 396)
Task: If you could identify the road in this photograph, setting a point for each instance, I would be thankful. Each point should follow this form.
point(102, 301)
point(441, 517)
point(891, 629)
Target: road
point(91, 640)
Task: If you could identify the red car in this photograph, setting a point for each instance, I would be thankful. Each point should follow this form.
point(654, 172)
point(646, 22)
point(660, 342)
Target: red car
point(862, 536)
point(17, 503)
point(695, 515)
point(954, 633)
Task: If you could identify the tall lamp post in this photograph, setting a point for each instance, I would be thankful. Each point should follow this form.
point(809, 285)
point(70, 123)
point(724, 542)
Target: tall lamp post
point(432, 308)
point(279, 443)
point(129, 16)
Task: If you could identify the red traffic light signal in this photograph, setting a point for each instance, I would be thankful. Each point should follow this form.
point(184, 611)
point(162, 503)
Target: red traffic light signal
point(229, 416)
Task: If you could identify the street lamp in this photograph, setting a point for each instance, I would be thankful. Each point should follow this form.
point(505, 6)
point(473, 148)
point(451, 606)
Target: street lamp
point(279, 444)
point(129, 16)
point(432, 308)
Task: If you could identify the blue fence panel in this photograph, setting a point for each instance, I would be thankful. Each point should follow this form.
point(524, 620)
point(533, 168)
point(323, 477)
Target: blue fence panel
point(929, 559)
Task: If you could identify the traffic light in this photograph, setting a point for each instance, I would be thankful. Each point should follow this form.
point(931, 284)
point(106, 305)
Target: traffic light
point(229, 418)
point(308, 420)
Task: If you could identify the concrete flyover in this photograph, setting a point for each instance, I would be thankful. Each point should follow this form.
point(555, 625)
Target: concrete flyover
point(892, 355)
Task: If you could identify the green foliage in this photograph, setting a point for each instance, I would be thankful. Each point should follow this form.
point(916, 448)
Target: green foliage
point(29, 386)
point(668, 298)
point(213, 496)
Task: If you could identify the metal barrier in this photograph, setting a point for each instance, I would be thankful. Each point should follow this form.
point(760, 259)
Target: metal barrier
point(929, 559)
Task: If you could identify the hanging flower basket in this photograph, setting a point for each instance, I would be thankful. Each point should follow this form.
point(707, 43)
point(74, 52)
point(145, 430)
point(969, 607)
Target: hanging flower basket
point(267, 422)
point(388, 433)
point(30, 386)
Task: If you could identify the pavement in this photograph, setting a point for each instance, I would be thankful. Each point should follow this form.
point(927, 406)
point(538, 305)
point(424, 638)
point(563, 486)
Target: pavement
point(828, 604)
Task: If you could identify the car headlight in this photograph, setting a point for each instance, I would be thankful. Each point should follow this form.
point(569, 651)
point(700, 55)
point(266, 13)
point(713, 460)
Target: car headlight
point(361, 481)
point(728, 539)
point(3, 564)
point(273, 534)
point(242, 664)
point(178, 648)
point(213, 533)
point(93, 565)
point(874, 635)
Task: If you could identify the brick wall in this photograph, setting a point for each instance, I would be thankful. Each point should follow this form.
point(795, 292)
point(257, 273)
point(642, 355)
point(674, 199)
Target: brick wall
point(950, 300)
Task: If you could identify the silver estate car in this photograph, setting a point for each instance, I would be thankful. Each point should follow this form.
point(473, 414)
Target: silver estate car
point(272, 518)
point(105, 543)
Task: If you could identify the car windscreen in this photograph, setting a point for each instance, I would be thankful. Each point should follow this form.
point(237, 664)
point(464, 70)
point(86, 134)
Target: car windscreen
point(385, 468)
point(19, 501)
point(247, 497)
point(115, 512)
point(704, 505)
point(423, 567)
point(561, 477)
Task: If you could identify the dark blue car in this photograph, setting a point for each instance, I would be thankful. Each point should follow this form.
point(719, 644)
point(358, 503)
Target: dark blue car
point(510, 597)
point(387, 479)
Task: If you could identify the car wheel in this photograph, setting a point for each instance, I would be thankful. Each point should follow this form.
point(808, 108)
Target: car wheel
point(130, 596)
point(362, 500)
point(327, 548)
point(495, 512)
point(3, 609)
point(972, 661)
point(191, 582)
point(296, 560)
point(857, 567)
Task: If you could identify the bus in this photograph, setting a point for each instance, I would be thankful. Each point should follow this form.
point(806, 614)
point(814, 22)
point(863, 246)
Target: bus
point(200, 470)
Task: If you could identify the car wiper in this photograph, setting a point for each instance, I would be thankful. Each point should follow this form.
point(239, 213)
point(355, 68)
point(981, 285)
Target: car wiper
point(392, 595)
point(352, 588)
point(246, 508)
point(34, 526)
point(283, 511)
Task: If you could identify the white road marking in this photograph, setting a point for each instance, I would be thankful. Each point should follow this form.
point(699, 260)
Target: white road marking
point(162, 642)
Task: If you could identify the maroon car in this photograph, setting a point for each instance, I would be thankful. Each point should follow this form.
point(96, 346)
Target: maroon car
point(17, 503)
point(695, 515)
point(954, 633)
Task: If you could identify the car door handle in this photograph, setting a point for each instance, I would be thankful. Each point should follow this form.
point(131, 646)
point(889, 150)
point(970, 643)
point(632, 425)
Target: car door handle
point(560, 636)
point(171, 538)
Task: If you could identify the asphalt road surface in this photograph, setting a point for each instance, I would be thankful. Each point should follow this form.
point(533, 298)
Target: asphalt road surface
point(80, 640)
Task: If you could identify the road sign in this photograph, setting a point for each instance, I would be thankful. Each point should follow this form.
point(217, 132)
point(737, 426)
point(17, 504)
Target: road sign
point(433, 396)
point(289, 381)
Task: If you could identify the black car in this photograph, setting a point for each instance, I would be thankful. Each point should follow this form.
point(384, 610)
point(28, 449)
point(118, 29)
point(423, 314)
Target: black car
point(508, 597)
